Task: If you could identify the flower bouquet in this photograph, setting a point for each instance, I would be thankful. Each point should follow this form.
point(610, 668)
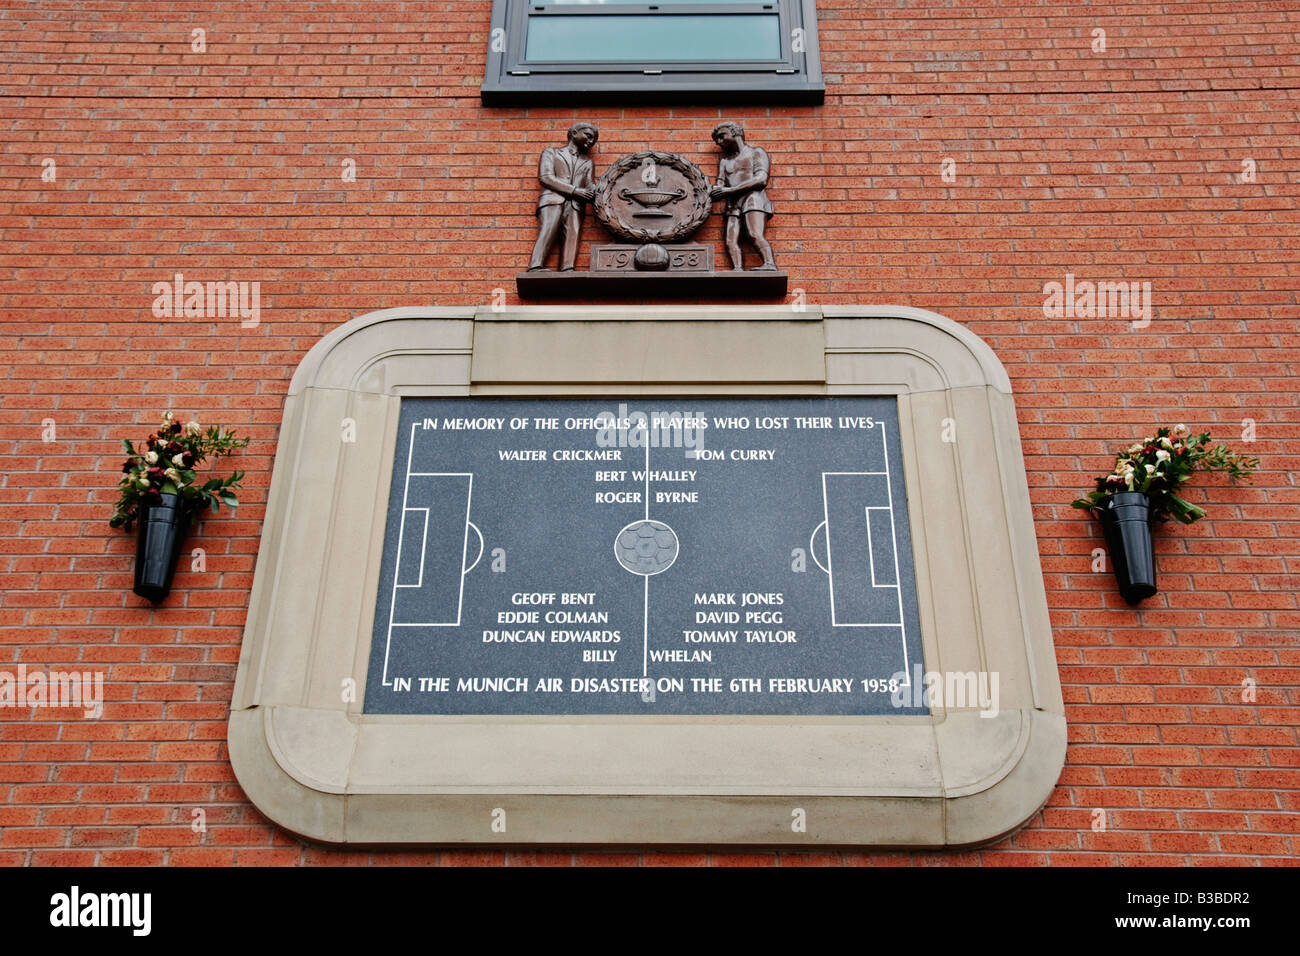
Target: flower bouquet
point(1143, 487)
point(160, 491)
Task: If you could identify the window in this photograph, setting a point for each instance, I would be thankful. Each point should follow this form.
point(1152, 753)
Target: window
point(565, 51)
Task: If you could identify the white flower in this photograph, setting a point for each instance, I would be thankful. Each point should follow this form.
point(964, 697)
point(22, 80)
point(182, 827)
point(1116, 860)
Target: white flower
point(1134, 449)
point(193, 427)
point(151, 457)
point(1162, 455)
point(179, 460)
point(1181, 430)
point(1129, 481)
point(167, 418)
point(1165, 442)
point(174, 475)
point(143, 483)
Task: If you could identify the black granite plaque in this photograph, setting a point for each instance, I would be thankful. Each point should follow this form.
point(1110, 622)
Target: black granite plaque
point(646, 556)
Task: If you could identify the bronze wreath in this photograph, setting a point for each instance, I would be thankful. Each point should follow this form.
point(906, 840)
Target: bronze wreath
point(682, 226)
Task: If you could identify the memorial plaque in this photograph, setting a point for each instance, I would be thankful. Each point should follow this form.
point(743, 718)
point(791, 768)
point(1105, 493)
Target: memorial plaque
point(652, 621)
point(673, 556)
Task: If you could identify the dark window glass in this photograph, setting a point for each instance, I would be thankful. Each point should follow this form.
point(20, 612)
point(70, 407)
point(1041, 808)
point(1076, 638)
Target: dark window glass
point(653, 39)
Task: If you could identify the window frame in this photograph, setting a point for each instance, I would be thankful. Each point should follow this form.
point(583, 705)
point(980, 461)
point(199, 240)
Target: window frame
point(511, 79)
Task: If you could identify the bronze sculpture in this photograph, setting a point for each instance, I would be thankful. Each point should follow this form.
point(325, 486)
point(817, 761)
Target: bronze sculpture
point(653, 201)
point(742, 182)
point(567, 175)
point(652, 196)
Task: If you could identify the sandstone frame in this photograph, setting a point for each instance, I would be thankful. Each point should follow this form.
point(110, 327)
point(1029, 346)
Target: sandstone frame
point(320, 767)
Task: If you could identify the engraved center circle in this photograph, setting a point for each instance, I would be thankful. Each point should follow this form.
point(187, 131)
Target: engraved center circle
point(646, 547)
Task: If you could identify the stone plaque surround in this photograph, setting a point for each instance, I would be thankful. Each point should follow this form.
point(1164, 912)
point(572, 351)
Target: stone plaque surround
point(312, 761)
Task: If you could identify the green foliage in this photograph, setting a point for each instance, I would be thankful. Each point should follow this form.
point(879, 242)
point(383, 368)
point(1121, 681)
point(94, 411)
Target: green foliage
point(1158, 465)
point(165, 464)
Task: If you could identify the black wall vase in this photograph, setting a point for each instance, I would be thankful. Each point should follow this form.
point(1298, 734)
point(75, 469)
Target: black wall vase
point(161, 530)
point(1126, 522)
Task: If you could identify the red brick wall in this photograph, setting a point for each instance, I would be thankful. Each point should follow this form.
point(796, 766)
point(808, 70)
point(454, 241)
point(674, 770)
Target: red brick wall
point(1121, 165)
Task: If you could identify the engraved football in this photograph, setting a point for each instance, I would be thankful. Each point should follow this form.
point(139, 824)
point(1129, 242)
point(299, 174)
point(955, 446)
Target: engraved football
point(646, 547)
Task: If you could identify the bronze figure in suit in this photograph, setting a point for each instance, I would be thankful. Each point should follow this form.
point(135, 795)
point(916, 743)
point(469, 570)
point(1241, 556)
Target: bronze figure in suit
point(742, 182)
point(568, 179)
